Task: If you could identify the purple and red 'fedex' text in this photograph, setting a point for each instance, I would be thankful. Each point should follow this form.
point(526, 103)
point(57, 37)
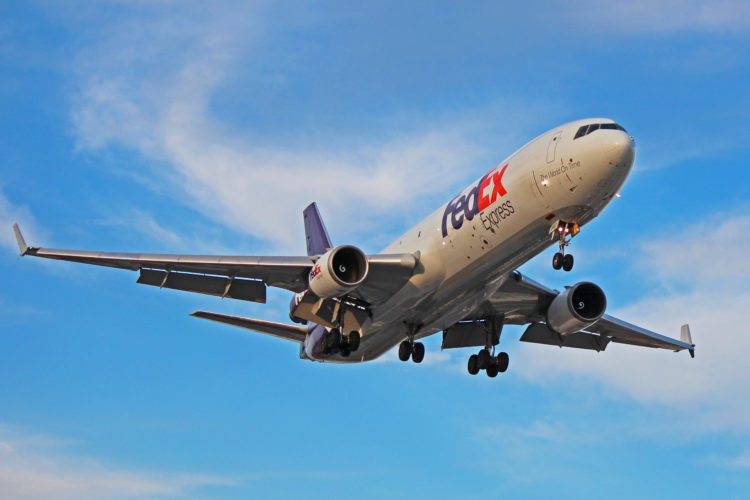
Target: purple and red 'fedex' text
point(485, 193)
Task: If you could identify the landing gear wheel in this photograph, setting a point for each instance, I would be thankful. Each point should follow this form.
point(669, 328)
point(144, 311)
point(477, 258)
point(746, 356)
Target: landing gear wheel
point(502, 362)
point(492, 370)
point(567, 262)
point(404, 350)
point(473, 364)
point(345, 351)
point(484, 359)
point(417, 352)
point(558, 261)
point(334, 338)
point(354, 341)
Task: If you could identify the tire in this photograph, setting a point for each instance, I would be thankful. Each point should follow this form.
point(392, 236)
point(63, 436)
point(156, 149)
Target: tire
point(345, 351)
point(502, 361)
point(334, 338)
point(354, 339)
point(492, 370)
point(567, 262)
point(484, 359)
point(557, 261)
point(473, 364)
point(404, 351)
point(417, 354)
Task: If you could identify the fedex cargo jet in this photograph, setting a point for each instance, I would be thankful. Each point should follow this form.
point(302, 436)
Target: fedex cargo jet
point(454, 273)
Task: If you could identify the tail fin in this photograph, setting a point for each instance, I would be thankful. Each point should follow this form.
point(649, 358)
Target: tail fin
point(317, 238)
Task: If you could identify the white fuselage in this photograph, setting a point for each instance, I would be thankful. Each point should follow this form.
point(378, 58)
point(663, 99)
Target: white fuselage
point(469, 246)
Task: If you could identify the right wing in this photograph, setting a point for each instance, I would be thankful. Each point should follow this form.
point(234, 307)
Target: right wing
point(521, 300)
point(238, 277)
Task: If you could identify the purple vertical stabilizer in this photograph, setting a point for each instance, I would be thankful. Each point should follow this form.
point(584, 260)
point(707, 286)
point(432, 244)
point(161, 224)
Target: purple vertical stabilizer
point(318, 241)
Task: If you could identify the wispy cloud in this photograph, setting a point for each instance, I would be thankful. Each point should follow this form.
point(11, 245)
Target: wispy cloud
point(705, 287)
point(126, 97)
point(34, 466)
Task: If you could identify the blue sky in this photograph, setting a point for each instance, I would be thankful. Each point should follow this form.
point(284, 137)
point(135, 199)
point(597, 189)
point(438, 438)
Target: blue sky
point(179, 127)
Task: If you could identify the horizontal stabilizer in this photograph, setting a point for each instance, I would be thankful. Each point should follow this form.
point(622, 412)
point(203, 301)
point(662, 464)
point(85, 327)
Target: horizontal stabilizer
point(281, 330)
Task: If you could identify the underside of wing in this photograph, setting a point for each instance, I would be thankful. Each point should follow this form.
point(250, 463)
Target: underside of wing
point(281, 330)
point(238, 277)
point(521, 300)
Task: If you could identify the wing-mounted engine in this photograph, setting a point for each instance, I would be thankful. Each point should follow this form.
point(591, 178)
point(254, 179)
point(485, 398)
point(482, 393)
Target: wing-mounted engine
point(338, 272)
point(577, 308)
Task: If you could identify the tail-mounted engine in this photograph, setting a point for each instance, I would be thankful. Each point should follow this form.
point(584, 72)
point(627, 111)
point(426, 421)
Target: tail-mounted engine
point(577, 308)
point(338, 272)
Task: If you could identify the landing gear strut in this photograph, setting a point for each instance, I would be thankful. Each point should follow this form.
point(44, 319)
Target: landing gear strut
point(486, 358)
point(565, 231)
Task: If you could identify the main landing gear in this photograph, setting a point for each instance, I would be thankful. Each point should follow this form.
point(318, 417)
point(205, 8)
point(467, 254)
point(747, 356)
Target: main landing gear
point(565, 231)
point(346, 344)
point(410, 349)
point(486, 358)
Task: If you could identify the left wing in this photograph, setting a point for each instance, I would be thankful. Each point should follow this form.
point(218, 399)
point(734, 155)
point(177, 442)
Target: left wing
point(522, 300)
point(238, 277)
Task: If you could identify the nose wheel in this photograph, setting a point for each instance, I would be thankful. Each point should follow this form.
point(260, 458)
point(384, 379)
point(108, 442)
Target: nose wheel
point(564, 232)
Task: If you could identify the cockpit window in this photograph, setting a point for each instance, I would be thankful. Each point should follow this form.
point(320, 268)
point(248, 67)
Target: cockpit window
point(587, 129)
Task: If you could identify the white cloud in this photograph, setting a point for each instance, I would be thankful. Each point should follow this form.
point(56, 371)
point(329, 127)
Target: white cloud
point(33, 466)
point(664, 16)
point(701, 281)
point(153, 91)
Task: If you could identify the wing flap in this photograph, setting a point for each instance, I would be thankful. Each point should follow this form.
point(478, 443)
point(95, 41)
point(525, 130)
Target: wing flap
point(284, 331)
point(233, 288)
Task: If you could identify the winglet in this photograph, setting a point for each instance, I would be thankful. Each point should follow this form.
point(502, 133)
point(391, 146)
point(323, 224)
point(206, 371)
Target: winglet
point(687, 338)
point(23, 248)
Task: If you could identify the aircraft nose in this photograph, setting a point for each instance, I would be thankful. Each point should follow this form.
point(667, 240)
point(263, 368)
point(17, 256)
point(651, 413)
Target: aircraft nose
point(621, 149)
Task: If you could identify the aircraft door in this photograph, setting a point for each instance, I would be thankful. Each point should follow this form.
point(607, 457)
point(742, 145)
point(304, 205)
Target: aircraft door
point(552, 147)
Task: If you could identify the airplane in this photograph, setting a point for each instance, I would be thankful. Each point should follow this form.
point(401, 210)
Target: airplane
point(455, 272)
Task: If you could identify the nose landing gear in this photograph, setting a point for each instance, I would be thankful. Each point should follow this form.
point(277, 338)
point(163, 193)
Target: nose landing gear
point(564, 231)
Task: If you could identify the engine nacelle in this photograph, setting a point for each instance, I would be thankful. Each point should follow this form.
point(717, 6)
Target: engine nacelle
point(577, 308)
point(338, 272)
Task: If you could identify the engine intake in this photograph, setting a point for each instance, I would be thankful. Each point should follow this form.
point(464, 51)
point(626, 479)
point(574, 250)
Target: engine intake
point(338, 272)
point(577, 308)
